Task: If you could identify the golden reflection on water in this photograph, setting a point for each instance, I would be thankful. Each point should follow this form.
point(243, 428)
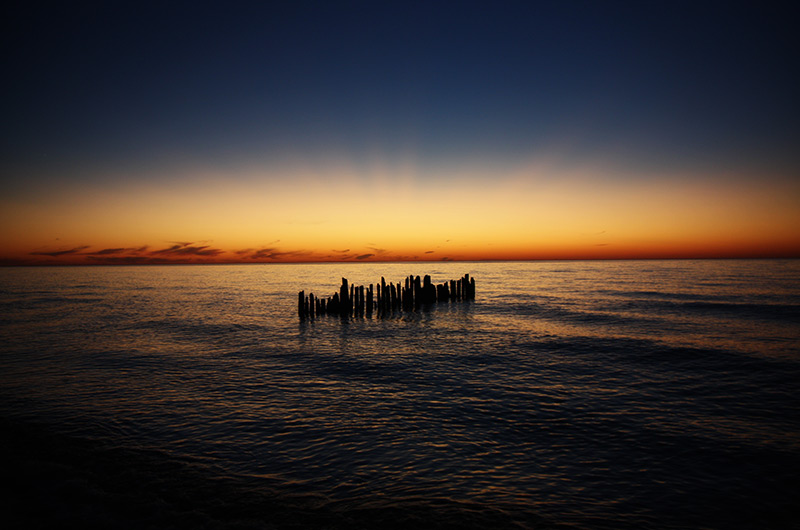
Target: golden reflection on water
point(560, 379)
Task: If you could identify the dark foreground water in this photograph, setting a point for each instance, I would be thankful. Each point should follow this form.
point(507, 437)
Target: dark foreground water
point(643, 394)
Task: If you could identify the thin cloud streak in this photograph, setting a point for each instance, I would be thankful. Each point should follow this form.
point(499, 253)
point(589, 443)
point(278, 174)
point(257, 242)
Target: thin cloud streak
point(57, 253)
point(184, 249)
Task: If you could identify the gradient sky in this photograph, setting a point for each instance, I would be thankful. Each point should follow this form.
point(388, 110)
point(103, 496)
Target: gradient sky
point(217, 132)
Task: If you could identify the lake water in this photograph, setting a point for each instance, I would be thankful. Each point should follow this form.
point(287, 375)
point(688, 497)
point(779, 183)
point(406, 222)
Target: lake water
point(618, 394)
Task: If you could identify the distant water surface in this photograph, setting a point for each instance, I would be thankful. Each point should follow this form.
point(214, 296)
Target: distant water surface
point(620, 394)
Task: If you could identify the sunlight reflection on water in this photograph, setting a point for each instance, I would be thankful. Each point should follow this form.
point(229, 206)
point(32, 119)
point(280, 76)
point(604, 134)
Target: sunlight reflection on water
point(578, 390)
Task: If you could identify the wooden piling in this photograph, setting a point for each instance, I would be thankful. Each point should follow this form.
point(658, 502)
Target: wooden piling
point(409, 295)
point(344, 297)
point(399, 304)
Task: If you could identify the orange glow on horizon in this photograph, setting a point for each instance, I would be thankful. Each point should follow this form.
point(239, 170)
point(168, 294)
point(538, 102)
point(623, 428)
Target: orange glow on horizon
point(339, 213)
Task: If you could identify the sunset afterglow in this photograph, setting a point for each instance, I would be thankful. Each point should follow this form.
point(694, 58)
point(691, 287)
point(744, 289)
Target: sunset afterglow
point(294, 141)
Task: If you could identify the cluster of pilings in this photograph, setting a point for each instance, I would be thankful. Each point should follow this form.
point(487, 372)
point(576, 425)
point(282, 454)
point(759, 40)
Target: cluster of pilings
point(385, 298)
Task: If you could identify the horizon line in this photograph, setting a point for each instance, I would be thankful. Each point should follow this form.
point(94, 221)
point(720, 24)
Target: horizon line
point(7, 264)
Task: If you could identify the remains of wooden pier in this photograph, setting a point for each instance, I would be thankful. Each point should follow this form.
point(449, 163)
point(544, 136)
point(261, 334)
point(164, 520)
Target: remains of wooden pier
point(385, 298)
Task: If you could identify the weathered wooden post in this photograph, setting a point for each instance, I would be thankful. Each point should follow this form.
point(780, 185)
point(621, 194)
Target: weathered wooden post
point(344, 295)
point(399, 298)
point(383, 296)
point(369, 300)
point(350, 301)
point(466, 286)
point(300, 306)
point(335, 304)
point(428, 291)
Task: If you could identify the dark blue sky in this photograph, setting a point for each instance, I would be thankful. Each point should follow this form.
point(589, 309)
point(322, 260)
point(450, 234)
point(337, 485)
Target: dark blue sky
point(95, 86)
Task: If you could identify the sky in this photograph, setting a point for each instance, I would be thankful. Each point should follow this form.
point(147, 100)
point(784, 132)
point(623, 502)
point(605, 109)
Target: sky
point(207, 132)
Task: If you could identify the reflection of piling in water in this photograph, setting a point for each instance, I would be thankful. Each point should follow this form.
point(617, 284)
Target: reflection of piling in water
point(386, 298)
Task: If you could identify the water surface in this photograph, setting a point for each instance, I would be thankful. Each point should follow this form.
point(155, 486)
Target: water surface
point(625, 394)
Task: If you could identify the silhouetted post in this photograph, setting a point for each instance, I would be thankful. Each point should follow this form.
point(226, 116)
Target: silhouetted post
point(350, 301)
point(300, 298)
point(311, 305)
point(400, 296)
point(399, 289)
point(429, 291)
point(369, 301)
point(344, 295)
point(383, 296)
point(417, 293)
point(472, 288)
